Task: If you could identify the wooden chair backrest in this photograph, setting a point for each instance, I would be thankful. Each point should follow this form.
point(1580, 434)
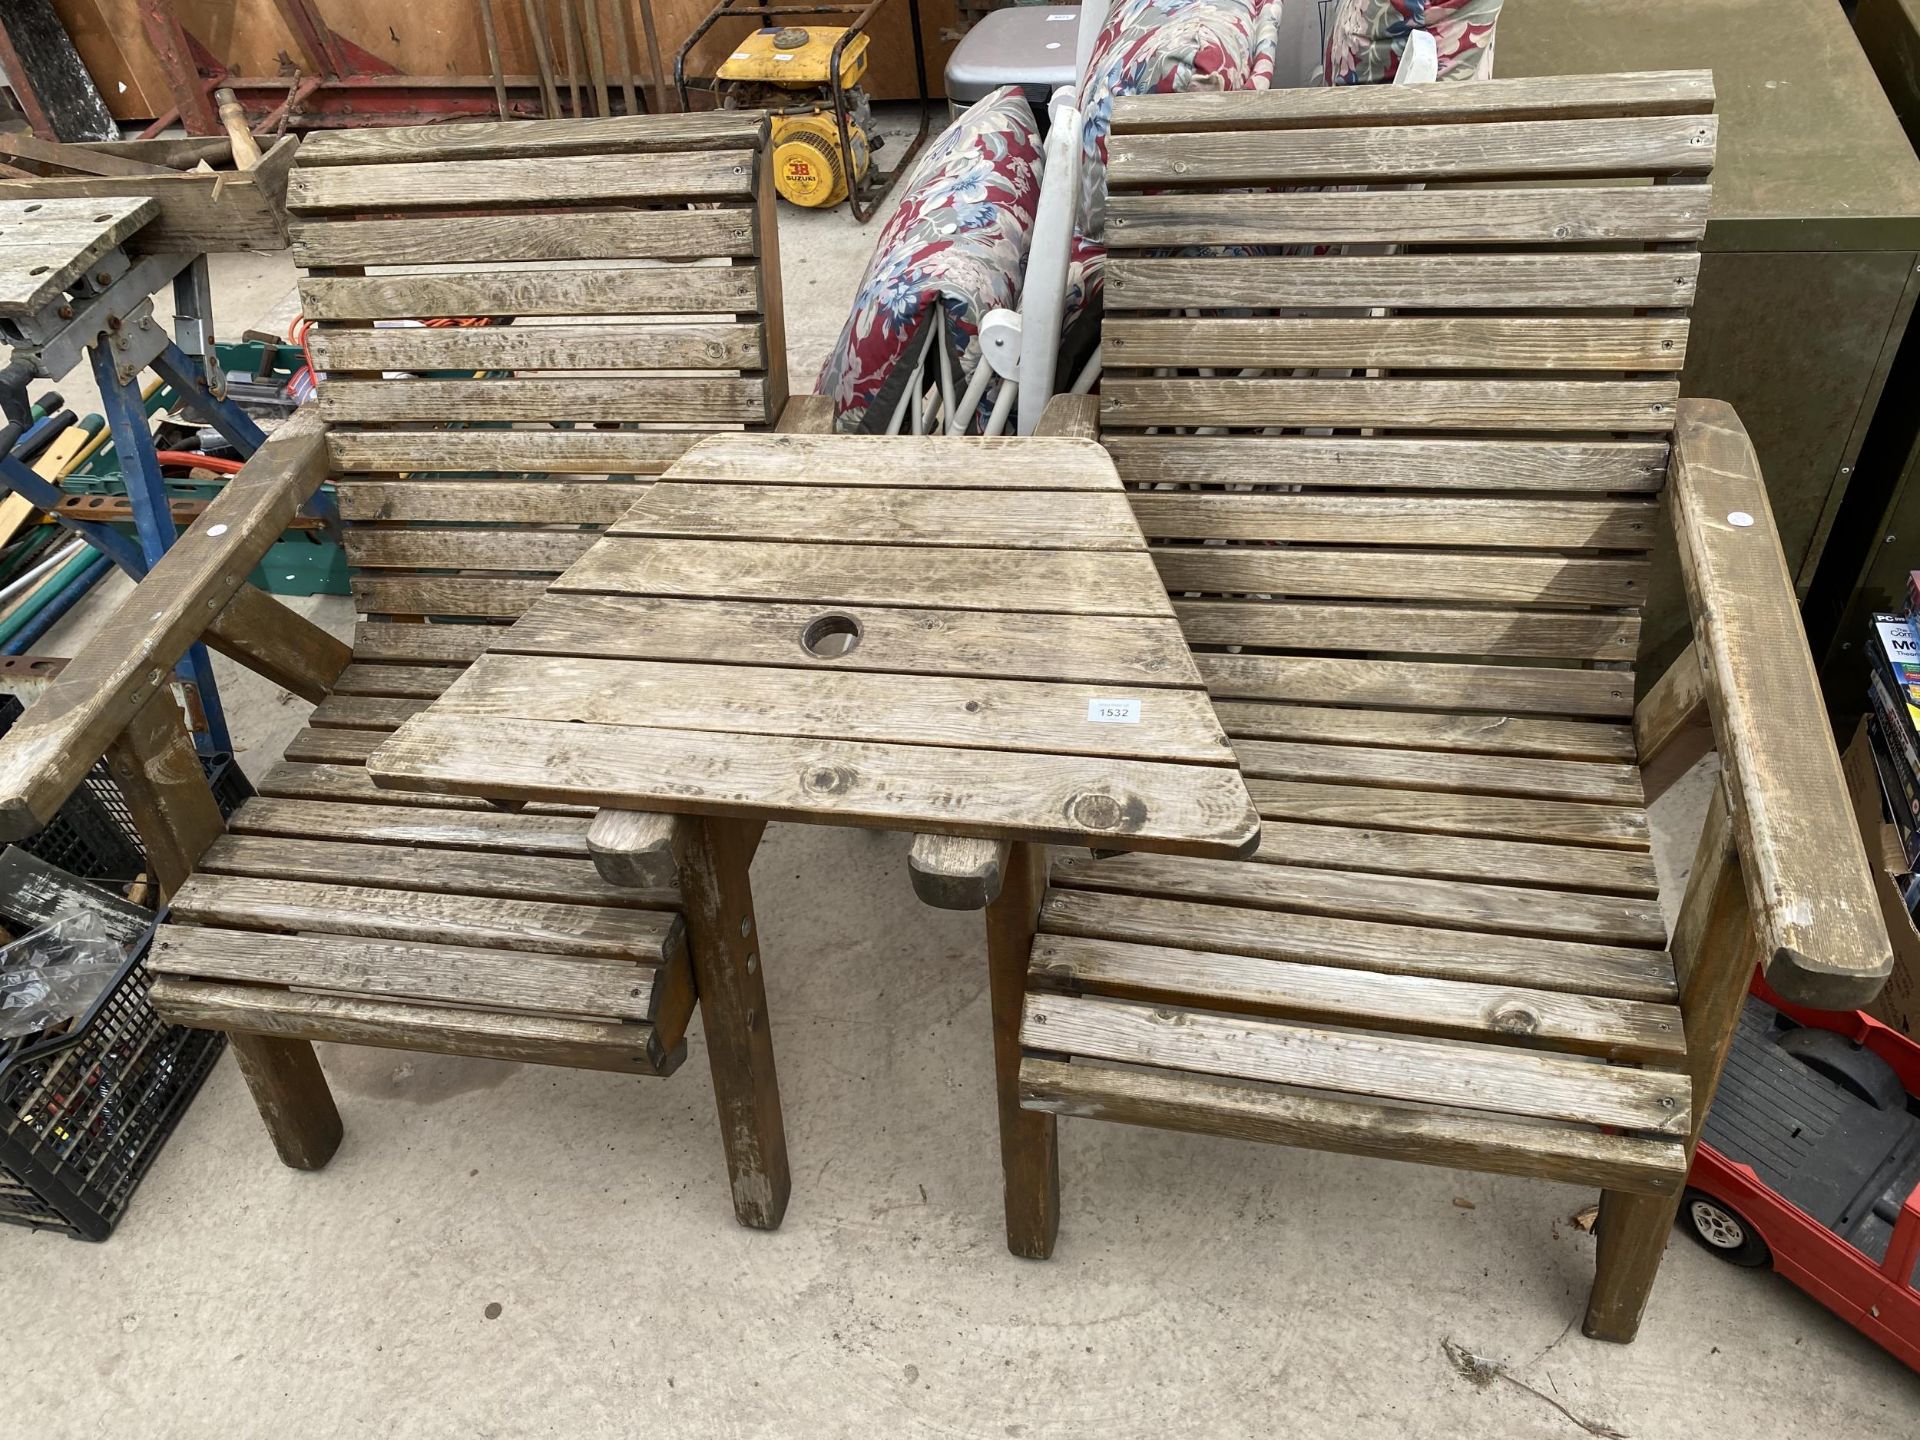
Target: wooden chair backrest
point(1423, 425)
point(629, 269)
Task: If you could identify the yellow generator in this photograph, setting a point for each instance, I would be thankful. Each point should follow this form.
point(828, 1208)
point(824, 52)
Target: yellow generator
point(789, 71)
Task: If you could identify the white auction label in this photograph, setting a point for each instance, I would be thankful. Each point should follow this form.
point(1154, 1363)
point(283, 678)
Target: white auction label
point(1125, 711)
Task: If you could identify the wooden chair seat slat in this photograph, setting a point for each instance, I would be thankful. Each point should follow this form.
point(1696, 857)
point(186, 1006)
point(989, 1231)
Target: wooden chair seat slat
point(426, 547)
point(437, 1029)
point(622, 234)
point(1634, 1031)
point(646, 290)
point(326, 746)
point(326, 860)
point(511, 452)
point(1498, 817)
point(491, 598)
point(552, 139)
point(1386, 463)
point(1408, 343)
point(1523, 405)
point(403, 682)
point(1404, 282)
point(1613, 784)
point(522, 181)
point(1334, 680)
point(1553, 97)
point(1576, 1154)
point(720, 345)
point(1372, 1065)
point(1334, 626)
point(525, 833)
point(1411, 855)
point(1575, 967)
point(1668, 213)
point(718, 400)
point(450, 974)
point(1269, 883)
point(349, 783)
point(299, 905)
point(580, 502)
point(1390, 574)
point(364, 712)
point(1490, 733)
point(1426, 521)
point(376, 641)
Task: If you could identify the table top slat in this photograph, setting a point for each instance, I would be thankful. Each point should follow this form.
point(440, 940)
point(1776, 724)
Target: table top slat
point(974, 714)
point(825, 514)
point(1072, 582)
point(1058, 799)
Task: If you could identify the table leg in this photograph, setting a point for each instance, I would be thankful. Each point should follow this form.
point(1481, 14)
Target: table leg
point(1029, 1154)
point(717, 897)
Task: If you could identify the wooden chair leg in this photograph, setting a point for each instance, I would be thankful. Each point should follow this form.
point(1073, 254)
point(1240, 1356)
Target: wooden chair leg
point(1029, 1150)
point(1714, 957)
point(292, 1094)
point(717, 897)
point(1632, 1235)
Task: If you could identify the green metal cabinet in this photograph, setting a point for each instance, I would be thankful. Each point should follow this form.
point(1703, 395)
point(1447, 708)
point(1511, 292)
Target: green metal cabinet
point(1812, 252)
point(1884, 510)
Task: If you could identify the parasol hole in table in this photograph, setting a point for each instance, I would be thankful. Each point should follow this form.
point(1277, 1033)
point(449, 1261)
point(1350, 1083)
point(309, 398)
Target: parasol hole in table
point(830, 637)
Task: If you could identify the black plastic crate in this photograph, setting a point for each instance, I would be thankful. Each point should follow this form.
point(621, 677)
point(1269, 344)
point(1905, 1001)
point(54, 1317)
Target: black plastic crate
point(84, 1113)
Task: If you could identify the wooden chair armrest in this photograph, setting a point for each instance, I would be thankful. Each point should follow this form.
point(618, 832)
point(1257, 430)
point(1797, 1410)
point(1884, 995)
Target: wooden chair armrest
point(129, 661)
point(1822, 939)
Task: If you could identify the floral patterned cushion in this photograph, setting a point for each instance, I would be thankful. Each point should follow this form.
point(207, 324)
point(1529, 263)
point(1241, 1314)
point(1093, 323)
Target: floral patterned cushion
point(1155, 47)
point(959, 239)
point(1365, 38)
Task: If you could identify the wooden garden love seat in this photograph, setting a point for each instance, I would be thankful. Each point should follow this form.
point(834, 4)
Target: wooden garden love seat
point(1407, 503)
point(474, 461)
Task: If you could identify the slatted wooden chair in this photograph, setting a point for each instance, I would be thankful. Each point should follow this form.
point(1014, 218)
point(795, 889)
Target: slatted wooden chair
point(1415, 592)
point(474, 462)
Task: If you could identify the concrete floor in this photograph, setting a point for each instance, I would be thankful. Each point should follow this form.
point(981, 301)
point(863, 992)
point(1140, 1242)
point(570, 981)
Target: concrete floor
point(504, 1250)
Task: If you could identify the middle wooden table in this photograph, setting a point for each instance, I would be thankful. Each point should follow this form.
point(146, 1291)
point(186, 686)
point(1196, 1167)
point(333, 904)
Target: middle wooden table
point(956, 637)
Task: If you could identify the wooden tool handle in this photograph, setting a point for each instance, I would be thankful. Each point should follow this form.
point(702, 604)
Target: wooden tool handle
point(246, 151)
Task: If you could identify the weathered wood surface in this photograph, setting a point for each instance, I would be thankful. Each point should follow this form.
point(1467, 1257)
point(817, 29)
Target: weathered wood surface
point(1571, 822)
point(46, 245)
point(972, 713)
point(154, 763)
point(1544, 405)
point(287, 1087)
point(1022, 645)
point(559, 452)
point(992, 519)
point(623, 235)
point(252, 1011)
point(718, 346)
point(955, 872)
point(1320, 680)
point(1062, 799)
point(1402, 575)
point(1528, 524)
point(407, 827)
point(1574, 967)
point(199, 211)
point(1673, 214)
point(1569, 97)
point(1385, 463)
point(597, 503)
point(1405, 282)
point(509, 980)
point(704, 400)
point(1413, 629)
point(1490, 733)
point(535, 139)
point(650, 290)
point(1410, 343)
point(1464, 150)
point(917, 724)
point(590, 179)
point(1386, 1067)
point(1409, 855)
point(638, 847)
point(129, 660)
point(1823, 940)
point(1671, 726)
point(1029, 1146)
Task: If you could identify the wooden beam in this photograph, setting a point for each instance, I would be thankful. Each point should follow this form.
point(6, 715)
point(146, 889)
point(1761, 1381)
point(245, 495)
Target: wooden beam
point(957, 872)
point(1671, 728)
point(130, 659)
point(272, 640)
point(158, 771)
point(1823, 941)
